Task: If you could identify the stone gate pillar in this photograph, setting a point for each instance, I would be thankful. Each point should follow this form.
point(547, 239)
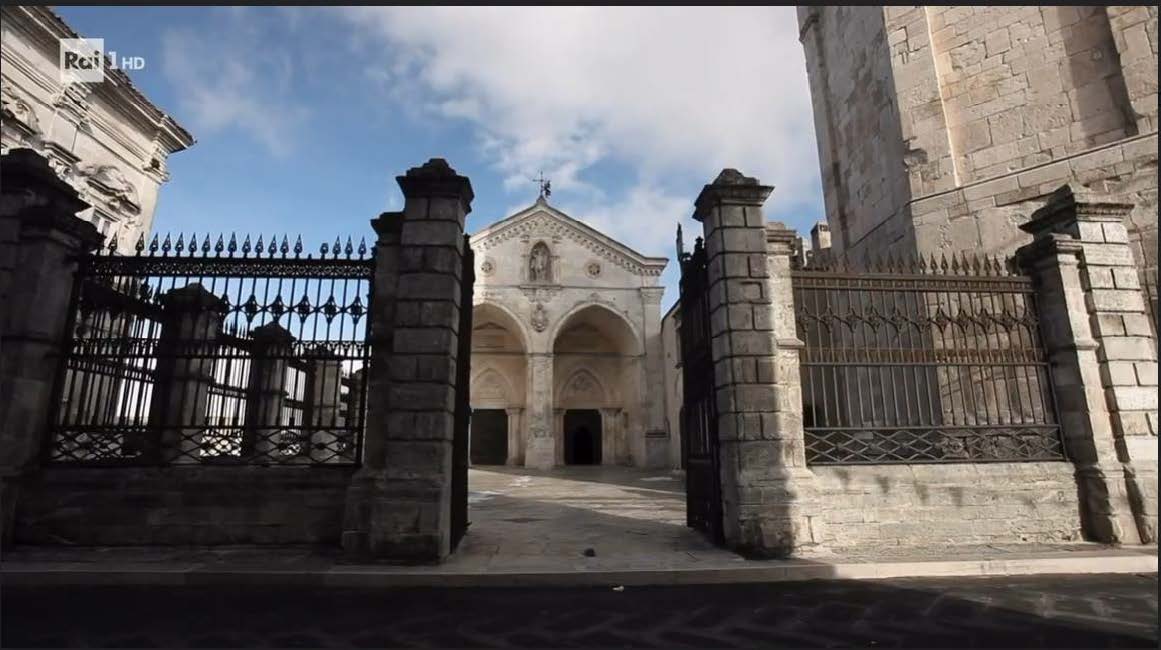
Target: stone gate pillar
point(1104, 361)
point(764, 480)
point(41, 241)
point(399, 503)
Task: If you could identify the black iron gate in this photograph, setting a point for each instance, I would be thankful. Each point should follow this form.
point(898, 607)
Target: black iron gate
point(463, 414)
point(699, 417)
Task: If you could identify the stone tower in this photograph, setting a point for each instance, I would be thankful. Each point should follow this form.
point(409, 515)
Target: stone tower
point(944, 128)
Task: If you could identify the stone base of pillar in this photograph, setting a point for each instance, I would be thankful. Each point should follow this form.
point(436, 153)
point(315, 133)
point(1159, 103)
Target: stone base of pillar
point(1106, 514)
point(767, 516)
point(393, 521)
point(540, 454)
point(1142, 488)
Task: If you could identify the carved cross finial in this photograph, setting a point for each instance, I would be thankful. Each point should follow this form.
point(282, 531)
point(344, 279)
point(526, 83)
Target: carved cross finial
point(545, 186)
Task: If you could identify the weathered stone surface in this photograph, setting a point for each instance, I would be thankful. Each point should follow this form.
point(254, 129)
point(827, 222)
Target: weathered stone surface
point(190, 506)
point(980, 107)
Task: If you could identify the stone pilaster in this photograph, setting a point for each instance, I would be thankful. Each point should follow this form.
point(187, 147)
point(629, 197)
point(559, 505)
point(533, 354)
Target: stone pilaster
point(186, 351)
point(515, 452)
point(41, 242)
point(266, 387)
point(761, 455)
point(399, 505)
point(1097, 331)
point(540, 451)
point(656, 439)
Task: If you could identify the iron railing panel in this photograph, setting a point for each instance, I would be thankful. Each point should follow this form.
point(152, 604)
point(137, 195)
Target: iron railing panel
point(194, 352)
point(928, 361)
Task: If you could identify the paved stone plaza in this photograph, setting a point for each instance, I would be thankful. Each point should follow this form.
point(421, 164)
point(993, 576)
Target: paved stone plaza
point(527, 519)
point(1046, 611)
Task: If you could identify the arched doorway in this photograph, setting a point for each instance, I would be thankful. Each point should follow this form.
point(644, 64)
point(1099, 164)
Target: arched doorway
point(597, 363)
point(489, 437)
point(498, 387)
point(582, 437)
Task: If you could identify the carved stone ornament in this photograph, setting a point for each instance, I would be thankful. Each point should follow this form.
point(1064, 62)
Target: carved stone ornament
point(593, 269)
point(111, 184)
point(487, 267)
point(19, 111)
point(539, 318)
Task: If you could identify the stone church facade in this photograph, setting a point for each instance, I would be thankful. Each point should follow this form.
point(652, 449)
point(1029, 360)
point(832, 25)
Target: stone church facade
point(105, 139)
point(942, 129)
point(566, 340)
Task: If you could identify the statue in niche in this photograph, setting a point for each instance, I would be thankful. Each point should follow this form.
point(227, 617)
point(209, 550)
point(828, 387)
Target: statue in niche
point(539, 264)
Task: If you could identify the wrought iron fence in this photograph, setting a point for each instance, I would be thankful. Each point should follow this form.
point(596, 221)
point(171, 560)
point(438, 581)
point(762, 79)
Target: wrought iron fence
point(203, 351)
point(921, 362)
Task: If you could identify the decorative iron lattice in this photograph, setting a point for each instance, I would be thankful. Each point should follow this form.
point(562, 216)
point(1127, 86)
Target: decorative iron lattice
point(925, 361)
point(192, 352)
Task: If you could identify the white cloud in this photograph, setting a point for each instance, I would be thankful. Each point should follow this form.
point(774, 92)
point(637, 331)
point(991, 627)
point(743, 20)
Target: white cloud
point(229, 80)
point(672, 94)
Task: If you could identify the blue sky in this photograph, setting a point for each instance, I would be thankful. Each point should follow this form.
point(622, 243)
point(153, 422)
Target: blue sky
point(304, 116)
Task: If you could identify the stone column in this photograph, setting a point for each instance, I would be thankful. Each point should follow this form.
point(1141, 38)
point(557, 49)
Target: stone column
point(541, 449)
point(515, 455)
point(1099, 343)
point(323, 393)
point(186, 351)
point(763, 476)
point(266, 389)
point(399, 504)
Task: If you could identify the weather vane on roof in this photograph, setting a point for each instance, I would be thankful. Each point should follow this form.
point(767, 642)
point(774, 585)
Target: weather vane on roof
point(545, 186)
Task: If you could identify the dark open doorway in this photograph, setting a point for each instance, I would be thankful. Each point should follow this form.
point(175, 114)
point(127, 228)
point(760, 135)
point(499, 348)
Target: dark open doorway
point(582, 437)
point(489, 436)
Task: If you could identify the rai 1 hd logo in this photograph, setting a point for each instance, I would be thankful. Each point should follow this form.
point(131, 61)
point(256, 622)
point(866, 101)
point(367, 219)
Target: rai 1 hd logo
point(84, 60)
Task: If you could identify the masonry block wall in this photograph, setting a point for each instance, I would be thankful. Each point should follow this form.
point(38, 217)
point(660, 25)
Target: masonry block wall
point(993, 108)
point(947, 504)
point(144, 506)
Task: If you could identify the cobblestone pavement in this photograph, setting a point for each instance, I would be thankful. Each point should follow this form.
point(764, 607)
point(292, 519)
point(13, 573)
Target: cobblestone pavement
point(1045, 611)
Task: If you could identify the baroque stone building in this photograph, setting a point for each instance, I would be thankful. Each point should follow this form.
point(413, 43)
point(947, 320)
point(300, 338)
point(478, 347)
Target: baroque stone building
point(945, 128)
point(106, 139)
point(566, 340)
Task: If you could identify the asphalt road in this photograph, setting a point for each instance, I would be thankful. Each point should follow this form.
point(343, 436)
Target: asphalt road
point(1044, 611)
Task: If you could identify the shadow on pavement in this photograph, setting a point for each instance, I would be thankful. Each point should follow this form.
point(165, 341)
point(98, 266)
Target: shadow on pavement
point(1053, 611)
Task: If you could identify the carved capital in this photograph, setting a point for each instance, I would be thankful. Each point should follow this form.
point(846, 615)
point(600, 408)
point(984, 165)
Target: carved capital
point(731, 187)
point(1068, 207)
point(436, 178)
